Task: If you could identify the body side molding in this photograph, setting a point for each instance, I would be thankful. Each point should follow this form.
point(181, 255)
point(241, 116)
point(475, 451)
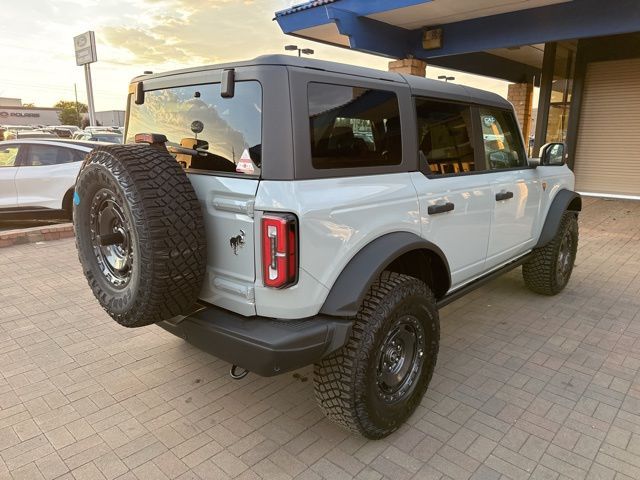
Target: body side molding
point(354, 281)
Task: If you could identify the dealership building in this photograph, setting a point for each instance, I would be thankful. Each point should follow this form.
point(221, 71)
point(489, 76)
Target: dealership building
point(12, 112)
point(584, 55)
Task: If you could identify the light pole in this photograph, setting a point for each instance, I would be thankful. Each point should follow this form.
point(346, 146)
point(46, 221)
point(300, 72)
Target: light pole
point(445, 78)
point(301, 51)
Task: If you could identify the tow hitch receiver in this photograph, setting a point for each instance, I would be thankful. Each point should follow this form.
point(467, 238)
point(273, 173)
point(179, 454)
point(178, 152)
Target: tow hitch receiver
point(243, 372)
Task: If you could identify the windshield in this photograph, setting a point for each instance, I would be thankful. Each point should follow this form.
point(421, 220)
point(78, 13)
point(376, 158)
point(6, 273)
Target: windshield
point(204, 130)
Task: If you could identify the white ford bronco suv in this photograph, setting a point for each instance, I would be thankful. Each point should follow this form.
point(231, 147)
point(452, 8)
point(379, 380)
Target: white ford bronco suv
point(282, 212)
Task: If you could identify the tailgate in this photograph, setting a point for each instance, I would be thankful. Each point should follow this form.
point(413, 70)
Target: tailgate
point(227, 208)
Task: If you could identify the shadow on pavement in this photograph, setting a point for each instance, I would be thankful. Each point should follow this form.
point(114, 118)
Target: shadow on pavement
point(22, 223)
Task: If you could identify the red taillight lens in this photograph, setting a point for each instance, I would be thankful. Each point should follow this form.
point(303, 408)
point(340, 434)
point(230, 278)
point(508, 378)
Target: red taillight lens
point(279, 250)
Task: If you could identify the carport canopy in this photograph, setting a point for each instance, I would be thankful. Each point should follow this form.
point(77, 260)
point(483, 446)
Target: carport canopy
point(497, 38)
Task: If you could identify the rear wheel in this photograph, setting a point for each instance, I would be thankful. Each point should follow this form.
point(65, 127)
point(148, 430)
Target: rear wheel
point(139, 233)
point(549, 269)
point(376, 381)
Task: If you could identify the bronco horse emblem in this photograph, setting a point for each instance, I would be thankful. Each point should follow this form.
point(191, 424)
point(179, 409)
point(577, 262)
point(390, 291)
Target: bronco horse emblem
point(237, 242)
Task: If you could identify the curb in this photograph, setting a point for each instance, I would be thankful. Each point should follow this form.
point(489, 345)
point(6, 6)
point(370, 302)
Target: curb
point(36, 234)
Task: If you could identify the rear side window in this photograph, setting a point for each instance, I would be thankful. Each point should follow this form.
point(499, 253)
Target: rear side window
point(353, 127)
point(204, 130)
point(47, 155)
point(502, 142)
point(444, 137)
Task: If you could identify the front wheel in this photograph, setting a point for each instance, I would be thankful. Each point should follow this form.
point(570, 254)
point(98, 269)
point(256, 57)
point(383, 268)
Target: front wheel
point(549, 269)
point(376, 381)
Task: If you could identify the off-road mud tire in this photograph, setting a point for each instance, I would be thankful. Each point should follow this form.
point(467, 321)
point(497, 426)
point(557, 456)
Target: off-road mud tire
point(547, 272)
point(162, 220)
point(346, 385)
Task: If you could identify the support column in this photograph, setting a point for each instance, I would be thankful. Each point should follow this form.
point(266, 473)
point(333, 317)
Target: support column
point(412, 66)
point(521, 95)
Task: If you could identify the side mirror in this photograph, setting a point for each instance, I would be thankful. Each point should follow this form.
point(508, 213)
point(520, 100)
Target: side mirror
point(552, 154)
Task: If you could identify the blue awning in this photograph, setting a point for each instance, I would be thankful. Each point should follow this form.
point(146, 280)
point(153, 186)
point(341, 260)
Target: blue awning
point(471, 37)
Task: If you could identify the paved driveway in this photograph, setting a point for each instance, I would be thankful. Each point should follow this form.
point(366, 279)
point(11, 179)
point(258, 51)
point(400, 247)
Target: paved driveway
point(526, 386)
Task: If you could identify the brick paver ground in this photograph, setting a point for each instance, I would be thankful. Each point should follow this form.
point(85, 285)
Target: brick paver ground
point(526, 386)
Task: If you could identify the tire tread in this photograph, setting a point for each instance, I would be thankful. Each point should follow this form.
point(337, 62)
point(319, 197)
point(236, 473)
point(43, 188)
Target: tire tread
point(539, 271)
point(338, 383)
point(167, 216)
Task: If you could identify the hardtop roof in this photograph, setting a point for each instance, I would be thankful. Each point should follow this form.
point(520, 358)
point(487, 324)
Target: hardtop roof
point(419, 85)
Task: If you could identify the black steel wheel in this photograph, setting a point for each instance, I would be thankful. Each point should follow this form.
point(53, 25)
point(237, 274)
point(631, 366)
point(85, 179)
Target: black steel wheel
point(376, 381)
point(111, 238)
point(549, 269)
point(400, 359)
point(139, 233)
point(566, 258)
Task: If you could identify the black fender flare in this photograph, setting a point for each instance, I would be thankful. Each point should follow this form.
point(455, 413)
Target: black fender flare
point(351, 286)
point(565, 200)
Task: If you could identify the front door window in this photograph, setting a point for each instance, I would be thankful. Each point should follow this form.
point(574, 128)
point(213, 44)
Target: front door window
point(502, 141)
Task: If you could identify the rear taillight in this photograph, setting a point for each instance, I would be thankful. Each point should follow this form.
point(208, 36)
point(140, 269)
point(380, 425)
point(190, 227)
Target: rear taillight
point(279, 250)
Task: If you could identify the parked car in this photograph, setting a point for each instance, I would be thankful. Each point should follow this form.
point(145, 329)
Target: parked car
point(10, 131)
point(71, 128)
point(34, 134)
point(61, 132)
point(255, 220)
point(99, 136)
point(37, 177)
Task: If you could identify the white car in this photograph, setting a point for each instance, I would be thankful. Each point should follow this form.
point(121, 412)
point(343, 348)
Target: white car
point(99, 136)
point(317, 213)
point(37, 177)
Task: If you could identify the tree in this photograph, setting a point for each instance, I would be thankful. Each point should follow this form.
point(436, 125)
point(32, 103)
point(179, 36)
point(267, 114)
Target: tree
point(85, 122)
point(70, 112)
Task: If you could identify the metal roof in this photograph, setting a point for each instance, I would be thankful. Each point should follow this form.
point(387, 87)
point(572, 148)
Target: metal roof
point(303, 6)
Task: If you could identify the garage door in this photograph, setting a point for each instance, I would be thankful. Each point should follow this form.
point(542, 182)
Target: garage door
point(608, 147)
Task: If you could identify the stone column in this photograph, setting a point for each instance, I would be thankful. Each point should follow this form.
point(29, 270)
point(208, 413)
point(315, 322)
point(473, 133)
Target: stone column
point(412, 66)
point(521, 96)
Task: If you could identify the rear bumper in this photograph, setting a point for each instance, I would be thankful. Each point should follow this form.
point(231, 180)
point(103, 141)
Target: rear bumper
point(261, 345)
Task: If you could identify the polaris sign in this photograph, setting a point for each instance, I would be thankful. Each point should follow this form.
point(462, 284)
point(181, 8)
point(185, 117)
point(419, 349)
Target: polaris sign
point(29, 116)
point(18, 114)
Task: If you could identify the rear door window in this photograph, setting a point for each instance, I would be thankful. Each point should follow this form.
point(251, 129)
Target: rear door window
point(353, 126)
point(47, 155)
point(205, 131)
point(444, 137)
point(44, 155)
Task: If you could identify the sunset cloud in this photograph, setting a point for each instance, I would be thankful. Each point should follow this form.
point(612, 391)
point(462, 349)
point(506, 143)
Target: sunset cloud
point(137, 35)
point(194, 31)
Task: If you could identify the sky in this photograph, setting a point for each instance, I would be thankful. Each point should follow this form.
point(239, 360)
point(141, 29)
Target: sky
point(38, 62)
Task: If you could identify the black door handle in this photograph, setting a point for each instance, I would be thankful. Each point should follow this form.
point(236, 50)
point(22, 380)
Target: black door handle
point(503, 196)
point(441, 208)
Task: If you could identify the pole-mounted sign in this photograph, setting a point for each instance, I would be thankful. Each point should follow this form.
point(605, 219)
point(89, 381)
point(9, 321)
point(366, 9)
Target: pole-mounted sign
point(85, 48)
point(85, 45)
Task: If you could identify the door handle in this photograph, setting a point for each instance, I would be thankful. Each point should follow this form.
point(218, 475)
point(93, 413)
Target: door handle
point(503, 196)
point(440, 208)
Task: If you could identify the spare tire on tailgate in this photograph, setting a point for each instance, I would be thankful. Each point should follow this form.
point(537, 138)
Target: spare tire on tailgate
point(139, 233)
